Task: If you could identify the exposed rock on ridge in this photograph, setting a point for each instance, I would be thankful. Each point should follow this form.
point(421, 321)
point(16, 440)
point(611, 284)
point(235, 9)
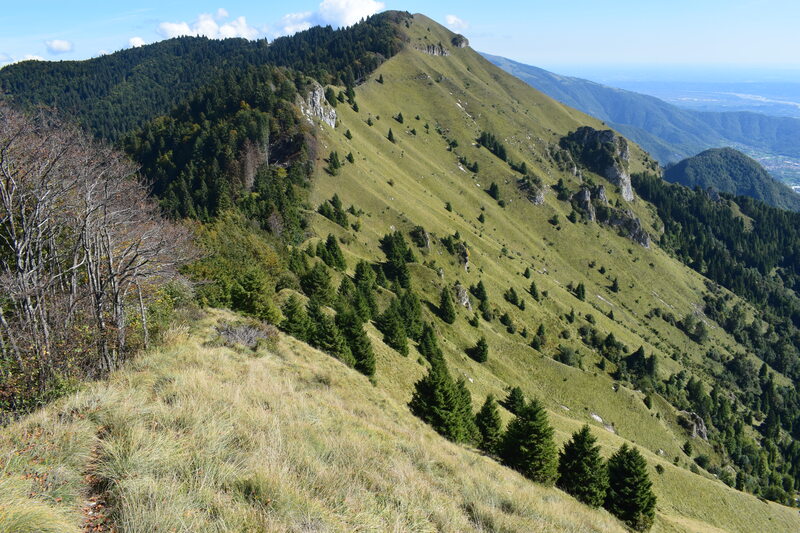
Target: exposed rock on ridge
point(434, 49)
point(602, 152)
point(315, 106)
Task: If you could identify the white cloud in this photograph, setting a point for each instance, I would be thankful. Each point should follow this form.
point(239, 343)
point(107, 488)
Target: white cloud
point(31, 57)
point(295, 22)
point(58, 46)
point(455, 23)
point(337, 13)
point(347, 12)
point(213, 26)
point(136, 42)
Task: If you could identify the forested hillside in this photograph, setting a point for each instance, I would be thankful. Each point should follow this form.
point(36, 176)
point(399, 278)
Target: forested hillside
point(480, 263)
point(727, 170)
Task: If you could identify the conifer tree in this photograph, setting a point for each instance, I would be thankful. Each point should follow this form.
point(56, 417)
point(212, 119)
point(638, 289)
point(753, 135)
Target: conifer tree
point(580, 291)
point(360, 345)
point(316, 283)
point(528, 445)
point(490, 426)
point(534, 291)
point(391, 324)
point(443, 404)
point(334, 253)
point(295, 322)
point(447, 310)
point(334, 164)
point(480, 352)
point(428, 346)
point(390, 135)
point(581, 470)
point(411, 312)
point(467, 431)
point(630, 497)
point(515, 401)
point(326, 335)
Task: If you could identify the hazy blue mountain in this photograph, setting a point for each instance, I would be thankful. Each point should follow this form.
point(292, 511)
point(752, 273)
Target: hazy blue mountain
point(666, 131)
point(729, 170)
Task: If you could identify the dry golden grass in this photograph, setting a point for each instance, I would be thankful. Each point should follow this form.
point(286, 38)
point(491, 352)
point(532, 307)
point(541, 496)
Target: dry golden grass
point(200, 438)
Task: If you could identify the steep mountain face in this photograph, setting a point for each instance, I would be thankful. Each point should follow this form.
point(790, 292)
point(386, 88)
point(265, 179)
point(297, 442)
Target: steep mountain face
point(728, 170)
point(475, 228)
point(667, 132)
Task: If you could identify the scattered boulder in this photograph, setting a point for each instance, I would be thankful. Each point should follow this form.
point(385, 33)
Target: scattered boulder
point(462, 296)
point(463, 255)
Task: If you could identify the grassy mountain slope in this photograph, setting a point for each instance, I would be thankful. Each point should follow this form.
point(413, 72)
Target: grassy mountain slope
point(201, 436)
point(205, 435)
point(407, 183)
point(667, 132)
point(728, 170)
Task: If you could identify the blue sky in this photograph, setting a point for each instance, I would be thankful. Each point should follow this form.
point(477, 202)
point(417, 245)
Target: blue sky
point(564, 36)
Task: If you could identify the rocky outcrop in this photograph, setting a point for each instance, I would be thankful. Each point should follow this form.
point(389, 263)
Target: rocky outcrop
point(600, 195)
point(602, 152)
point(629, 226)
point(693, 423)
point(583, 201)
point(459, 41)
point(462, 296)
point(433, 49)
point(314, 106)
point(532, 190)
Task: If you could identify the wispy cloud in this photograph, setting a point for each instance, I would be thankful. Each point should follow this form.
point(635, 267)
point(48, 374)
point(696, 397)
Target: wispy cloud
point(58, 46)
point(455, 23)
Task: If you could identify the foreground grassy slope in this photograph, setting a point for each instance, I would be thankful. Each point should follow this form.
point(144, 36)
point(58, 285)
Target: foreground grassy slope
point(199, 436)
point(402, 184)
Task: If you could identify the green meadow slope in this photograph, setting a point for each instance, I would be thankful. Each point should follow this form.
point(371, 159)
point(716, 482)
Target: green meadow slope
point(204, 434)
point(407, 183)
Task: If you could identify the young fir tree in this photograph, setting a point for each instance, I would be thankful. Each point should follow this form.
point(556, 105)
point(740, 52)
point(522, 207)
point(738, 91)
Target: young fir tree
point(334, 253)
point(440, 402)
point(326, 335)
point(528, 445)
point(534, 291)
point(581, 470)
point(515, 401)
point(480, 352)
point(360, 345)
point(630, 496)
point(411, 312)
point(295, 322)
point(334, 164)
point(391, 324)
point(490, 426)
point(447, 310)
point(316, 283)
point(468, 431)
point(580, 291)
point(390, 135)
point(428, 346)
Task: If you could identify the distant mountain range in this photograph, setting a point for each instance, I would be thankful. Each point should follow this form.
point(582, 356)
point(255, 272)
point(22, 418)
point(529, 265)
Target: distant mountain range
point(668, 132)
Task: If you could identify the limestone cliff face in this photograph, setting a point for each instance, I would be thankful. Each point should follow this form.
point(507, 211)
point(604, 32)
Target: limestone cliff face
point(602, 152)
point(315, 106)
point(459, 41)
point(593, 203)
point(434, 49)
